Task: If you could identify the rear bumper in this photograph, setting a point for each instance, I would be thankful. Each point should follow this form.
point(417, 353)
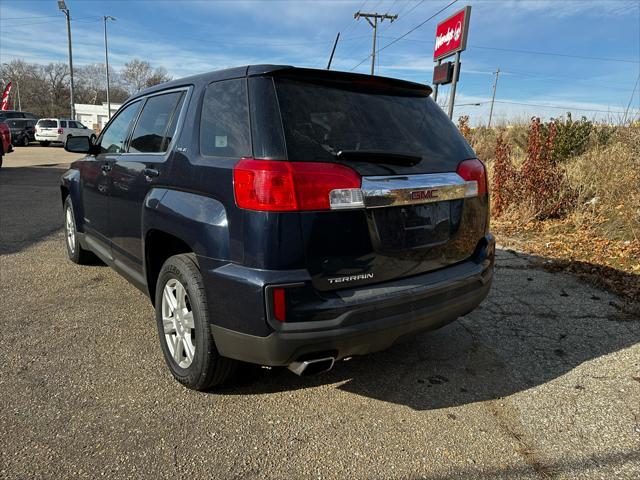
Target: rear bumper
point(48, 138)
point(370, 319)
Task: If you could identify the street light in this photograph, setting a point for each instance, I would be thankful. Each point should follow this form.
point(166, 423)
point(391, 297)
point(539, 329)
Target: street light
point(106, 59)
point(63, 8)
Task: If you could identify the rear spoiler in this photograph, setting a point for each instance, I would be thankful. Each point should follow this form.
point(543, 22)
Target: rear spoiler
point(351, 81)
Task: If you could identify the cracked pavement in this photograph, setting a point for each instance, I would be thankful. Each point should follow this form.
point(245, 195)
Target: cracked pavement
point(542, 381)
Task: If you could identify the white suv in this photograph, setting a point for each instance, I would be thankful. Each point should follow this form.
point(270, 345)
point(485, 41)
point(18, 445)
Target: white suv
point(59, 130)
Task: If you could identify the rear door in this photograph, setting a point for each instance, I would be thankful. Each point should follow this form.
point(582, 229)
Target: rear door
point(417, 217)
point(137, 171)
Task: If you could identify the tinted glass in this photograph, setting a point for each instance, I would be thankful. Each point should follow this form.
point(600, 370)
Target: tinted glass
point(224, 126)
point(321, 120)
point(266, 127)
point(15, 123)
point(63, 123)
point(73, 125)
point(150, 131)
point(115, 135)
point(48, 123)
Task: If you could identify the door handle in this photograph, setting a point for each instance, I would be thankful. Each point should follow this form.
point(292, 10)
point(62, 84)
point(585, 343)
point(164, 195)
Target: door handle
point(150, 173)
point(106, 168)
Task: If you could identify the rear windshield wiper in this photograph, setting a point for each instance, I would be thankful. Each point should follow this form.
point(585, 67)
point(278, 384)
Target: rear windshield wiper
point(377, 156)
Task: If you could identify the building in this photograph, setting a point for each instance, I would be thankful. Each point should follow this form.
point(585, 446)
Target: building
point(94, 116)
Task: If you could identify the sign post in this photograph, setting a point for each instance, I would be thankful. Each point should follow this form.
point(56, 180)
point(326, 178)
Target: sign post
point(451, 38)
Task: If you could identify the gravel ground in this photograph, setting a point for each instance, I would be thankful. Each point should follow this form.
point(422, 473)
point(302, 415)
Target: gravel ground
point(542, 381)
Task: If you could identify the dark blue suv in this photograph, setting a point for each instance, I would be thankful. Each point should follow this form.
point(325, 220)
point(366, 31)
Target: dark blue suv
point(283, 216)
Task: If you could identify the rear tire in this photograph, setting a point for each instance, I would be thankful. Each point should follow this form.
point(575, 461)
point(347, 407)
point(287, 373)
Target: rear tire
point(25, 141)
point(45, 143)
point(76, 253)
point(182, 317)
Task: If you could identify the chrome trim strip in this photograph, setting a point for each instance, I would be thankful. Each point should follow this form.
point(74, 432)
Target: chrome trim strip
point(386, 191)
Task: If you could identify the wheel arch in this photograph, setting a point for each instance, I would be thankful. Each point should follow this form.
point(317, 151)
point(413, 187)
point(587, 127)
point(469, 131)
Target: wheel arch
point(70, 187)
point(176, 222)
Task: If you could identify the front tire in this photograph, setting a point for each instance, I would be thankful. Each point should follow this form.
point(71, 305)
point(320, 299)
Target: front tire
point(25, 141)
point(76, 253)
point(66, 140)
point(182, 317)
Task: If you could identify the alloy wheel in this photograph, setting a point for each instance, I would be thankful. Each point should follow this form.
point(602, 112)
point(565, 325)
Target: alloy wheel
point(177, 320)
point(70, 225)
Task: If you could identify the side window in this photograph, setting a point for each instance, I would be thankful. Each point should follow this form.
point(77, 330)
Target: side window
point(63, 123)
point(153, 124)
point(115, 134)
point(73, 125)
point(224, 125)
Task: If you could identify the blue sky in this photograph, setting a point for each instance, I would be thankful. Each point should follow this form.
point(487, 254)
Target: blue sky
point(188, 37)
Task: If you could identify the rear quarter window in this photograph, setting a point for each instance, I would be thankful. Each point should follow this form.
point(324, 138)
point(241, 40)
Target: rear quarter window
point(224, 124)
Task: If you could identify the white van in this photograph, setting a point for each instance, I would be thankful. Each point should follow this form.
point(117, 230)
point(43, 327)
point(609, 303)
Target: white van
point(59, 130)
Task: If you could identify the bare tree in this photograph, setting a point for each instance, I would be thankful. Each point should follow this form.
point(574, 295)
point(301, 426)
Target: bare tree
point(57, 78)
point(139, 74)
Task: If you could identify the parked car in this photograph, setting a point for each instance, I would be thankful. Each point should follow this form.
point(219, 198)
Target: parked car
point(5, 141)
point(5, 114)
point(22, 130)
point(283, 216)
point(59, 130)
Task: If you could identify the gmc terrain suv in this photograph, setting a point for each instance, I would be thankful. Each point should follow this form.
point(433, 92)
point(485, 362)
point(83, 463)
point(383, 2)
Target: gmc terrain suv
point(283, 216)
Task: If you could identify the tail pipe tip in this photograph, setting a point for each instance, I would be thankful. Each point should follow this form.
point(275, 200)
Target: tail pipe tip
point(311, 367)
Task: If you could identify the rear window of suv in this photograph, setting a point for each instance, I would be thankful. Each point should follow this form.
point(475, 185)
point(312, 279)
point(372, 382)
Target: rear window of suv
point(48, 123)
point(320, 120)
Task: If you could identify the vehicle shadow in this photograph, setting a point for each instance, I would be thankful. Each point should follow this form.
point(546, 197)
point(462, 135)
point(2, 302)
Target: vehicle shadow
point(534, 327)
point(30, 205)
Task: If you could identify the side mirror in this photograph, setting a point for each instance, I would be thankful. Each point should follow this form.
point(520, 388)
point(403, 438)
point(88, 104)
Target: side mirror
point(79, 145)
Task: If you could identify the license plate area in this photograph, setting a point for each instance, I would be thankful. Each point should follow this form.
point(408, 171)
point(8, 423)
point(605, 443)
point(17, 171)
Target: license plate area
point(412, 226)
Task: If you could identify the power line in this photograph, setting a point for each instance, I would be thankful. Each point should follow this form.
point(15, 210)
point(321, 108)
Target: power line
point(561, 107)
point(557, 106)
point(29, 18)
point(407, 33)
point(532, 52)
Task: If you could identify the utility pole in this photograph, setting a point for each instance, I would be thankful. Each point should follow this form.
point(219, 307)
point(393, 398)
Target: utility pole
point(374, 24)
point(335, 44)
point(63, 8)
point(106, 61)
point(493, 98)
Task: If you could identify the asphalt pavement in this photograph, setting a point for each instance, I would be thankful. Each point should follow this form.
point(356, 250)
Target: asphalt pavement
point(542, 381)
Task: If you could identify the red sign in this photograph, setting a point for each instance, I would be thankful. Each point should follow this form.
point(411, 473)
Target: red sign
point(451, 34)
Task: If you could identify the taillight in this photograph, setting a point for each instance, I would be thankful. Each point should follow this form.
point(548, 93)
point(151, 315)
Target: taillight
point(279, 186)
point(279, 304)
point(60, 131)
point(474, 173)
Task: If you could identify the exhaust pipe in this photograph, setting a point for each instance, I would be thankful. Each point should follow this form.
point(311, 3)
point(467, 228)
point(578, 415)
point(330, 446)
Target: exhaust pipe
point(311, 367)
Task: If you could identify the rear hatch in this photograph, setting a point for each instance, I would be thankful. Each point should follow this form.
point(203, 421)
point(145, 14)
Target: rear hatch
point(47, 127)
point(419, 215)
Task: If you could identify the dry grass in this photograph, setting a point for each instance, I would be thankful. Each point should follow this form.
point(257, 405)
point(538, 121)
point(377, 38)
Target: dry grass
point(606, 180)
point(598, 236)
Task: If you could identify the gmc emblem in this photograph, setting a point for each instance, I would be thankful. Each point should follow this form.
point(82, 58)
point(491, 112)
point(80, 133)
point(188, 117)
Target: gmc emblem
point(423, 194)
